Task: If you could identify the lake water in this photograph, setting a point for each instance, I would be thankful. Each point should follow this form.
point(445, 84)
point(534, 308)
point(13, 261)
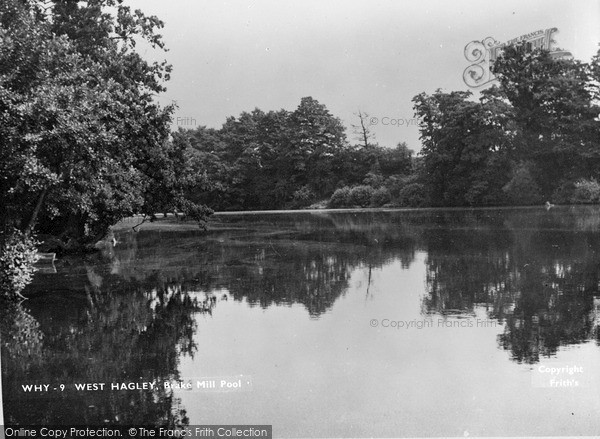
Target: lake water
point(356, 323)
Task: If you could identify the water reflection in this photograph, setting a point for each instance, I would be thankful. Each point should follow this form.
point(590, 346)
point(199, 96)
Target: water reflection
point(131, 312)
point(101, 331)
point(535, 270)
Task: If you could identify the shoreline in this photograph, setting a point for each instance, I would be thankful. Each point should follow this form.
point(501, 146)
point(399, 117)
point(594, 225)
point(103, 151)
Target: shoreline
point(171, 222)
point(388, 209)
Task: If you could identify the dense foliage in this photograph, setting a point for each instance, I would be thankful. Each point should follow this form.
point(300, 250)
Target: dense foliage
point(285, 159)
point(528, 139)
point(16, 263)
point(83, 143)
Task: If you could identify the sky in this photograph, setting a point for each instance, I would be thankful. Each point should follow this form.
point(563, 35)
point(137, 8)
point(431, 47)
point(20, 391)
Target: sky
point(373, 56)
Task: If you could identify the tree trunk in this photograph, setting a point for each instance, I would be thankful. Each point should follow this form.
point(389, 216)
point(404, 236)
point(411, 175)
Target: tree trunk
point(36, 212)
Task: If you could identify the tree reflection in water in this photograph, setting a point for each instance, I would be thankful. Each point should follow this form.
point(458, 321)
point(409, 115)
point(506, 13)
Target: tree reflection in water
point(103, 331)
point(536, 271)
point(129, 315)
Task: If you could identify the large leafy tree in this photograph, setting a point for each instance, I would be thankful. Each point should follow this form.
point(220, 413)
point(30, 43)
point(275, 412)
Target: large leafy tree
point(555, 110)
point(247, 145)
point(316, 137)
point(464, 146)
point(203, 147)
point(83, 142)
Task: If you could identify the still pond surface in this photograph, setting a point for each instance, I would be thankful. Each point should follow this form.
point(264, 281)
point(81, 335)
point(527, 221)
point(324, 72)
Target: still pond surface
point(359, 323)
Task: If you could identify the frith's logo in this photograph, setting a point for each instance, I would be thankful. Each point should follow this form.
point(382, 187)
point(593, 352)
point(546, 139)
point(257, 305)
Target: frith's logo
point(482, 54)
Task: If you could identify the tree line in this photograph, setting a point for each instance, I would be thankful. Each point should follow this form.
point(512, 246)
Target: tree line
point(285, 159)
point(532, 137)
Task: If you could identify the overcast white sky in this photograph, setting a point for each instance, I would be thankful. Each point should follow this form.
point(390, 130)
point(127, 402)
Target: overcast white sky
point(233, 56)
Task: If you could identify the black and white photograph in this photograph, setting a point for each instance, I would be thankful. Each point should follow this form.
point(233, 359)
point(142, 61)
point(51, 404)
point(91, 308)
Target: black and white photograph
point(299, 219)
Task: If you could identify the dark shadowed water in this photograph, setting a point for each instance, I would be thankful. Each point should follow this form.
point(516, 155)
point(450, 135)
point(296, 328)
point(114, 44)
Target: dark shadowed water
point(371, 323)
